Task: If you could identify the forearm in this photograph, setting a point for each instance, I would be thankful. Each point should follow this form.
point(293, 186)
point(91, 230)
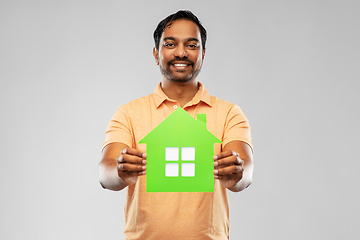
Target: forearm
point(108, 176)
point(243, 153)
point(246, 179)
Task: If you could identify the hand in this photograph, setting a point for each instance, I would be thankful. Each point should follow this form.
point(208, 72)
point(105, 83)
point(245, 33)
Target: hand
point(130, 164)
point(229, 168)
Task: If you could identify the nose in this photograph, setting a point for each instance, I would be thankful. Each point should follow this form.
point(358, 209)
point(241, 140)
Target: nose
point(181, 51)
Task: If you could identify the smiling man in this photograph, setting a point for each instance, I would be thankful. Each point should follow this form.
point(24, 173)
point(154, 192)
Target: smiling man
point(179, 51)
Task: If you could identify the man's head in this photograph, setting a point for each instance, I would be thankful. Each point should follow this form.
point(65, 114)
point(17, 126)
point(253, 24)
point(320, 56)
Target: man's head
point(179, 47)
point(182, 14)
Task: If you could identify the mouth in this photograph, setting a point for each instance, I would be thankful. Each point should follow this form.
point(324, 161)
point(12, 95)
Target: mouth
point(180, 65)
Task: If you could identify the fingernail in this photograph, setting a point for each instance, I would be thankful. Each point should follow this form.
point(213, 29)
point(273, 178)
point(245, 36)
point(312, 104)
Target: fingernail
point(216, 171)
point(119, 159)
point(216, 164)
point(215, 157)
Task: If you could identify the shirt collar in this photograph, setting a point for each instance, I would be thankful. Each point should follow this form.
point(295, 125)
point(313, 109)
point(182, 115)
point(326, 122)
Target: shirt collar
point(201, 95)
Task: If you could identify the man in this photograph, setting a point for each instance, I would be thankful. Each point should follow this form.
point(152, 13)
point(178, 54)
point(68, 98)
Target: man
point(179, 51)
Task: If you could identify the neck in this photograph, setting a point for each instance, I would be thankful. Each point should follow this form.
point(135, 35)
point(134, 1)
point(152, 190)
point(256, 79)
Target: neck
point(181, 92)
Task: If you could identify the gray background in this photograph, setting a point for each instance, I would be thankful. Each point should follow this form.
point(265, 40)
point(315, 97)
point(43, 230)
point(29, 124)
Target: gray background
point(292, 66)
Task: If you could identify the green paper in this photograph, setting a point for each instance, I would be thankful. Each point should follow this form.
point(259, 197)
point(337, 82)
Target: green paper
point(180, 154)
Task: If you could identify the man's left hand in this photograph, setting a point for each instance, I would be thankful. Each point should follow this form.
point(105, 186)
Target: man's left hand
point(229, 168)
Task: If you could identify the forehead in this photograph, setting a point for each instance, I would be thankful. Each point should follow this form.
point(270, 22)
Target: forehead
point(181, 29)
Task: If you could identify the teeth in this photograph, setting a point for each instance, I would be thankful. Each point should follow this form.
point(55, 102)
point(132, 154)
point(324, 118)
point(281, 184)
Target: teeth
point(180, 65)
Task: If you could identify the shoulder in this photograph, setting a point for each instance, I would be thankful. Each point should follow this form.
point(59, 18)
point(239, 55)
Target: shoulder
point(224, 106)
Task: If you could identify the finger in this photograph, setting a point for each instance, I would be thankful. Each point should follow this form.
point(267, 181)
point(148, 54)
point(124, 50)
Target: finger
point(130, 159)
point(229, 161)
point(239, 161)
point(233, 178)
point(223, 155)
point(132, 174)
point(132, 151)
point(130, 167)
point(127, 174)
point(233, 169)
point(120, 159)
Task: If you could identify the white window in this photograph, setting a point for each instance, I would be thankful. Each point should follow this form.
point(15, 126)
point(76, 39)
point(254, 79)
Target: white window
point(171, 153)
point(172, 170)
point(188, 169)
point(188, 153)
point(173, 163)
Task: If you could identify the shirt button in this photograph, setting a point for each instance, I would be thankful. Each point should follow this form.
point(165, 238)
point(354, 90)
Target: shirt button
point(175, 106)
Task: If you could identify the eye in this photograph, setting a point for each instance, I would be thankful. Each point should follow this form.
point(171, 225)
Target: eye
point(193, 46)
point(169, 45)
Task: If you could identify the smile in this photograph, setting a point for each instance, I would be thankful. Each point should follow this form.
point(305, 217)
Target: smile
point(180, 65)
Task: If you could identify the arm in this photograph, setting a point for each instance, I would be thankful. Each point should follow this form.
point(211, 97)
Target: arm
point(234, 166)
point(120, 166)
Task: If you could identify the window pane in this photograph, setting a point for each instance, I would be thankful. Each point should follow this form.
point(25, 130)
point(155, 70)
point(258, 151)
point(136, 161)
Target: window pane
point(188, 153)
point(171, 170)
point(172, 154)
point(188, 169)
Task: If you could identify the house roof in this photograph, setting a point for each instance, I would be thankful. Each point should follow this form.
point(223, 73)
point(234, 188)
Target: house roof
point(180, 127)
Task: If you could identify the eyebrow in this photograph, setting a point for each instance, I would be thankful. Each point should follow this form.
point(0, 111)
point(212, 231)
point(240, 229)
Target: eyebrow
point(193, 39)
point(188, 40)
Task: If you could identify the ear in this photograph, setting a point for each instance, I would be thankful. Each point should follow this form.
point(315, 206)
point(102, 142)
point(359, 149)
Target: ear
point(156, 55)
point(203, 56)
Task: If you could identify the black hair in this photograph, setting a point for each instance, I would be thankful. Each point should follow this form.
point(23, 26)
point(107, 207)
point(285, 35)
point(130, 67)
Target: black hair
point(182, 14)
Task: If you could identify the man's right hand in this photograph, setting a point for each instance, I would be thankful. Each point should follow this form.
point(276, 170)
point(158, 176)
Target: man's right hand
point(130, 164)
point(117, 171)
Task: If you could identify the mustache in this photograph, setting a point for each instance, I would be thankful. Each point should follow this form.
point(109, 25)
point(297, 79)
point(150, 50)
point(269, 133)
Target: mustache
point(179, 59)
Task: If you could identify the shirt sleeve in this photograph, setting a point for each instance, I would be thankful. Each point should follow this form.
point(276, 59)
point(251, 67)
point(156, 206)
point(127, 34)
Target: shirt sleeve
point(237, 127)
point(119, 129)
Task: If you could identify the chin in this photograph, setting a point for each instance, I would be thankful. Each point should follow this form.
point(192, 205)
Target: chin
point(180, 80)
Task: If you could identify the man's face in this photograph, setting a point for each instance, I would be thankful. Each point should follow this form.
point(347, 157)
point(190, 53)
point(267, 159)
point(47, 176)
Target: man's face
point(180, 52)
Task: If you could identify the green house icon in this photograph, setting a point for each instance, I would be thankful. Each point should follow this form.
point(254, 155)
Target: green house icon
point(179, 155)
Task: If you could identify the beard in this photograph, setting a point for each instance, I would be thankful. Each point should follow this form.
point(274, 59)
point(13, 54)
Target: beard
point(169, 74)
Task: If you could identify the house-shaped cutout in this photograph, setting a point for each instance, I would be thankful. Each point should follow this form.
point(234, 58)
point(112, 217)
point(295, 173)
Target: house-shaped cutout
point(180, 154)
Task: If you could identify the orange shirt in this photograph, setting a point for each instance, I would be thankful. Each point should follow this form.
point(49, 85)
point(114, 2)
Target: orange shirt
point(173, 215)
